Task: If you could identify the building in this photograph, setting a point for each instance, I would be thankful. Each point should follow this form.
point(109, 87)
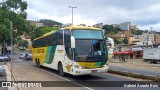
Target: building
point(146, 39)
point(39, 24)
point(115, 25)
point(157, 38)
point(123, 34)
point(82, 25)
point(98, 25)
point(125, 26)
point(125, 30)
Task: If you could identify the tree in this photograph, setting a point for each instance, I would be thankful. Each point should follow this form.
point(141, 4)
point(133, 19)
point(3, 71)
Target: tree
point(12, 10)
point(138, 32)
point(112, 32)
point(41, 31)
point(110, 29)
point(23, 43)
point(125, 41)
point(48, 22)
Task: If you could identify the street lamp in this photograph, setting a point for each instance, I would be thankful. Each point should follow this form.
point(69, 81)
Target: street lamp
point(151, 36)
point(72, 12)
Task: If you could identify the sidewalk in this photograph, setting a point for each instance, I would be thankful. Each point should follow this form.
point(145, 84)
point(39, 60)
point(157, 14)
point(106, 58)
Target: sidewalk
point(135, 62)
point(135, 66)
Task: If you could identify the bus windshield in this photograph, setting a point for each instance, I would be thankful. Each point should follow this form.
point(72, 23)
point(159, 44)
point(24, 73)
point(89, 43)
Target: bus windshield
point(87, 34)
point(90, 50)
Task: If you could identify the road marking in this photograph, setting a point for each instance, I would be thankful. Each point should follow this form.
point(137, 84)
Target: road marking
point(68, 80)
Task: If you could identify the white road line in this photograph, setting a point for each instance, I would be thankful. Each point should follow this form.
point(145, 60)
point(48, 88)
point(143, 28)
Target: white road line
point(68, 80)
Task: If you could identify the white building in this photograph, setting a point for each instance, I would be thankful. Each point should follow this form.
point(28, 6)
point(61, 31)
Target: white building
point(125, 26)
point(39, 24)
point(145, 39)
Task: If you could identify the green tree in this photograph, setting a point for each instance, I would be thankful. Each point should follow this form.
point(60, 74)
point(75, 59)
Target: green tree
point(12, 10)
point(48, 22)
point(23, 43)
point(110, 29)
point(41, 31)
point(125, 41)
point(138, 32)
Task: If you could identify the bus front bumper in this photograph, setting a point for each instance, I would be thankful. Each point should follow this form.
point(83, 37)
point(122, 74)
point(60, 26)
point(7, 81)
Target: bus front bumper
point(90, 71)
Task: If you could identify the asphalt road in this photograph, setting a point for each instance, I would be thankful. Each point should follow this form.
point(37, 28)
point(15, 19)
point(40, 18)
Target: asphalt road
point(27, 71)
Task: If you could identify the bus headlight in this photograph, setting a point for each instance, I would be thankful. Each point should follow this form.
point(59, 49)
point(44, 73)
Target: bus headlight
point(105, 65)
point(77, 66)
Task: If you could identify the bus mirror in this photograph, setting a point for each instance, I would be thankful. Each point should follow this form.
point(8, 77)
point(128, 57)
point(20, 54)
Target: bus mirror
point(72, 42)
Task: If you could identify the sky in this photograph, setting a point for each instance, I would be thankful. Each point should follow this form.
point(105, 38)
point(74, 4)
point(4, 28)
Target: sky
point(143, 13)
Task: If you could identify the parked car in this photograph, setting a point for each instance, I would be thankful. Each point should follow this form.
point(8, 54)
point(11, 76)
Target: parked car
point(3, 58)
point(28, 56)
point(2, 71)
point(22, 55)
point(9, 57)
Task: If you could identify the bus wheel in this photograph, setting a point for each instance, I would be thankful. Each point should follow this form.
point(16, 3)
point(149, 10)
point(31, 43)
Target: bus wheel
point(60, 69)
point(38, 63)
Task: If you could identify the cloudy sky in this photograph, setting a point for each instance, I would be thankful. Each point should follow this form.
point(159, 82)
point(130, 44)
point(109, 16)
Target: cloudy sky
point(143, 13)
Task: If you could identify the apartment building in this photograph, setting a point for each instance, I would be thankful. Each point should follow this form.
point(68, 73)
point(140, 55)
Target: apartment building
point(39, 24)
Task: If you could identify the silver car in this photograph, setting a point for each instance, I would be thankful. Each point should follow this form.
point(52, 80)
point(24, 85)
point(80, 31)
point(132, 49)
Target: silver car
point(3, 58)
point(22, 55)
point(2, 71)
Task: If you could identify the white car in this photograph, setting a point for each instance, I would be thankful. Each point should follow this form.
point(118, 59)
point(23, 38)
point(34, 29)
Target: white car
point(22, 55)
point(3, 58)
point(28, 57)
point(2, 71)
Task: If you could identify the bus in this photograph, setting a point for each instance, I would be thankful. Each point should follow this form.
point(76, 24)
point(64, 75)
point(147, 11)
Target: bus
point(76, 50)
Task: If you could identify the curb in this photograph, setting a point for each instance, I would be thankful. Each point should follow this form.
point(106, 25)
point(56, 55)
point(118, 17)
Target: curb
point(134, 64)
point(14, 77)
point(135, 75)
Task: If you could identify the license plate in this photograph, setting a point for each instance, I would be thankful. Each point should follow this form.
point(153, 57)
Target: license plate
point(94, 71)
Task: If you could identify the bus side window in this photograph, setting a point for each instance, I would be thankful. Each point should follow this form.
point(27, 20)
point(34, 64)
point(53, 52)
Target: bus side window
point(70, 51)
point(67, 41)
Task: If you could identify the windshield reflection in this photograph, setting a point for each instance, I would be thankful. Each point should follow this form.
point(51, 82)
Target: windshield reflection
point(90, 50)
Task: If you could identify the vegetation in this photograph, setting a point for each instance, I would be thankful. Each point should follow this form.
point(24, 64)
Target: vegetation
point(23, 43)
point(125, 41)
point(12, 10)
point(41, 31)
point(110, 29)
point(138, 32)
point(48, 22)
point(112, 32)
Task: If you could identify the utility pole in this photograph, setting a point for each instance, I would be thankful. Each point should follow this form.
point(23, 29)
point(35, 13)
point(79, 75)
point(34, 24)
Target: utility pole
point(72, 12)
point(11, 33)
point(151, 36)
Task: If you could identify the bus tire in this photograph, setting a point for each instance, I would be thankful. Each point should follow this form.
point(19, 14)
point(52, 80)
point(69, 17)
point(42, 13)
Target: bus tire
point(60, 69)
point(38, 63)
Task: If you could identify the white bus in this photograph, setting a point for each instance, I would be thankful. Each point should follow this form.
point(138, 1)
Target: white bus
point(75, 50)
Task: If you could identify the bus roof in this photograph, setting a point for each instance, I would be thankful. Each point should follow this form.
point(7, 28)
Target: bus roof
point(70, 28)
point(81, 27)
